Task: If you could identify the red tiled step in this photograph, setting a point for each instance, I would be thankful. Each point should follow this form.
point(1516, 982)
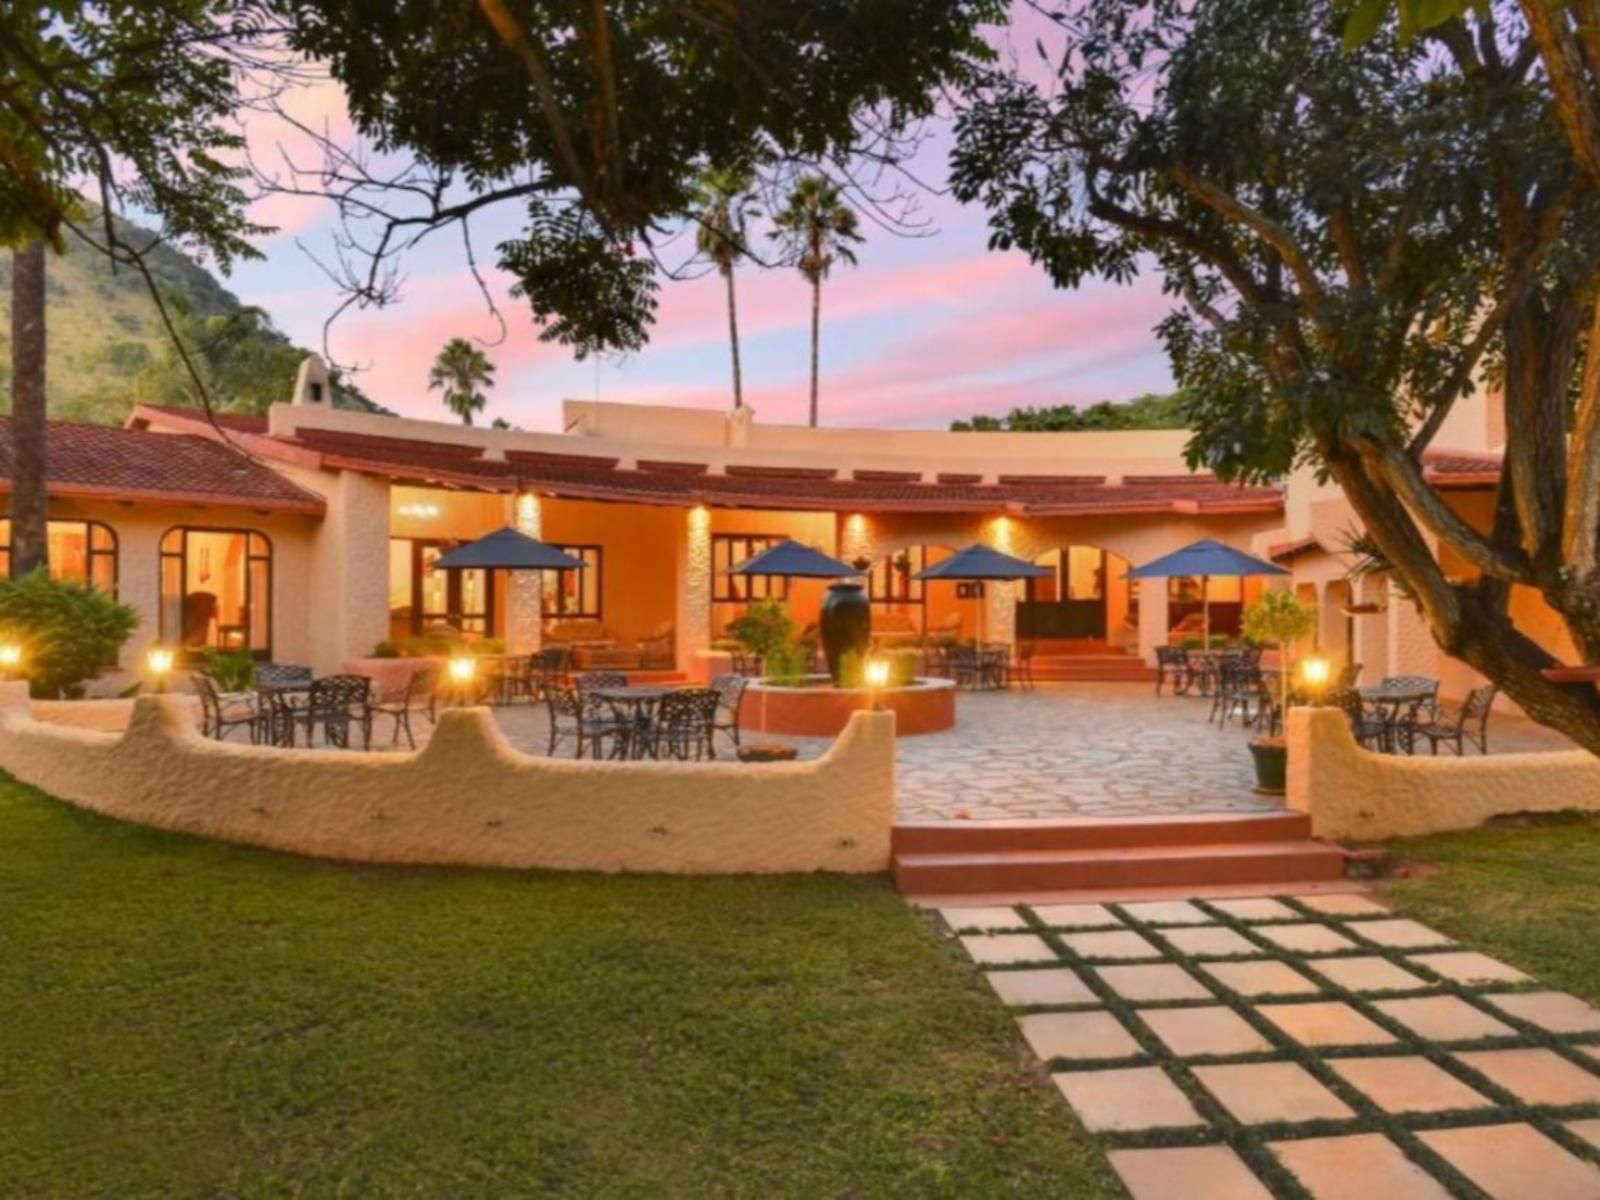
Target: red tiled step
point(1097, 833)
point(1017, 871)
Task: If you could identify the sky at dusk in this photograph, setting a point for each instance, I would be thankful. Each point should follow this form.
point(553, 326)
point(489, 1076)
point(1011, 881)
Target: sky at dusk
point(923, 330)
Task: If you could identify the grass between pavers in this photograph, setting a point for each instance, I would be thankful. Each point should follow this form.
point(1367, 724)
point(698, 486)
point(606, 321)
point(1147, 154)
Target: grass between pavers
point(1250, 1142)
point(1529, 895)
point(183, 1018)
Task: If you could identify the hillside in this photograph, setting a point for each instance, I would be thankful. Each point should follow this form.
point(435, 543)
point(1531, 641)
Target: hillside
point(108, 350)
point(1150, 411)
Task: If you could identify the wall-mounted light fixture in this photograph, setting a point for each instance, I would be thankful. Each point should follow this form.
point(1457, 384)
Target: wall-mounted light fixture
point(419, 512)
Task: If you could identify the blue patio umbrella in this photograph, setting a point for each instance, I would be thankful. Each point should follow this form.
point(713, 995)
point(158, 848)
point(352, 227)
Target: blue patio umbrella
point(507, 549)
point(792, 560)
point(1203, 559)
point(978, 563)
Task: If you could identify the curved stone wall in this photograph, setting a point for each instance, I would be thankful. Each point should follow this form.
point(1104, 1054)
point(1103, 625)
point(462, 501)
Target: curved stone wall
point(470, 798)
point(1359, 795)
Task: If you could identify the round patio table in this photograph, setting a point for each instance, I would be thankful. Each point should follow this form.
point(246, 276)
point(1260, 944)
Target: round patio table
point(634, 706)
point(1390, 701)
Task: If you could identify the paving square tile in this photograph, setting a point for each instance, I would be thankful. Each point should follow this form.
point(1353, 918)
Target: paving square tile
point(1407, 1085)
point(1588, 1051)
point(1326, 1023)
point(993, 950)
point(1344, 904)
point(1367, 974)
point(1257, 1093)
point(1210, 1029)
point(1306, 939)
point(1208, 1173)
point(1157, 981)
point(1401, 934)
point(1127, 1098)
point(1210, 941)
point(997, 917)
point(1075, 916)
point(1255, 908)
point(1055, 985)
point(1254, 979)
point(1444, 1018)
point(1469, 967)
point(1166, 912)
point(1114, 943)
point(1556, 1012)
point(1091, 1034)
point(1588, 1130)
point(1515, 1162)
point(1356, 1167)
point(1537, 1076)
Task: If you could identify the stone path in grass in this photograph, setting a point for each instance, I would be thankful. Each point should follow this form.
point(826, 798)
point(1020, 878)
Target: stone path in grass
point(1297, 1047)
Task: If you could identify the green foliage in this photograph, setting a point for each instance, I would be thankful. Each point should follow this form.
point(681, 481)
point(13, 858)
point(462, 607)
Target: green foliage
point(763, 629)
point(816, 228)
point(723, 208)
point(230, 670)
point(787, 664)
point(1279, 619)
point(68, 632)
point(1149, 411)
point(460, 371)
point(600, 133)
point(107, 349)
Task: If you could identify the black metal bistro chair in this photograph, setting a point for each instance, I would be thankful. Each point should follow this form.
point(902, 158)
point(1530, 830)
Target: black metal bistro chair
point(420, 695)
point(334, 704)
point(586, 720)
point(1022, 665)
point(685, 724)
point(1172, 663)
point(220, 715)
point(1370, 729)
point(730, 691)
point(1469, 723)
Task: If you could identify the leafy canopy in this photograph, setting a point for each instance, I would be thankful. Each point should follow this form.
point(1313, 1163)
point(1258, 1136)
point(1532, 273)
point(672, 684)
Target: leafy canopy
point(598, 120)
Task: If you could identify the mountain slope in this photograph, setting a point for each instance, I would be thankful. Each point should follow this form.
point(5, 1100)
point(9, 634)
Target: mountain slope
point(108, 349)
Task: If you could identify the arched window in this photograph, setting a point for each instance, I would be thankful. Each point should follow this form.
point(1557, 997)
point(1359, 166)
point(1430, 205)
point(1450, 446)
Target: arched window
point(216, 589)
point(80, 552)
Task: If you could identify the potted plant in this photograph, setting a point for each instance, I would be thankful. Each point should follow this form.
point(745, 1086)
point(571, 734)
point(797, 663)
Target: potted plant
point(764, 629)
point(1277, 619)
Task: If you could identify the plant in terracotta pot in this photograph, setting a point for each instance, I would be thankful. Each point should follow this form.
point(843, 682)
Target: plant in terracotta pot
point(1277, 619)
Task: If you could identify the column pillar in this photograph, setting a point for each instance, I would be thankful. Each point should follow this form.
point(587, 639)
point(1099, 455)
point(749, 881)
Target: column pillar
point(1153, 620)
point(1000, 598)
point(693, 620)
point(525, 589)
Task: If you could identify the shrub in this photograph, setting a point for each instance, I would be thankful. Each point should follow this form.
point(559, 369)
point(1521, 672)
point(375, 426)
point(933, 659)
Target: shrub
point(1279, 619)
point(68, 632)
point(230, 670)
point(787, 665)
point(763, 629)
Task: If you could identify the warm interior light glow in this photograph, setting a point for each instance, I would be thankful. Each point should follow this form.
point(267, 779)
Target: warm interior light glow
point(10, 656)
point(420, 512)
point(1314, 672)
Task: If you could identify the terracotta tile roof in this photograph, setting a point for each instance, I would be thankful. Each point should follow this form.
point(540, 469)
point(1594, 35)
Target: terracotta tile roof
point(237, 422)
point(1285, 551)
point(130, 464)
point(1461, 468)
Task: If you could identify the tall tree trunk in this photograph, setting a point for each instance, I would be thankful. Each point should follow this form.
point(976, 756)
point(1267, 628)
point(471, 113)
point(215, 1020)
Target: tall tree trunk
point(816, 318)
point(30, 546)
point(733, 340)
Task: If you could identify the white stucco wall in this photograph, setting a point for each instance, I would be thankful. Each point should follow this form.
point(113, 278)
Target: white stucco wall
point(1358, 795)
point(469, 798)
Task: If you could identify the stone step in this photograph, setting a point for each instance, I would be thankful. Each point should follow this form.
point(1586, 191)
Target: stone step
point(1097, 833)
point(1020, 871)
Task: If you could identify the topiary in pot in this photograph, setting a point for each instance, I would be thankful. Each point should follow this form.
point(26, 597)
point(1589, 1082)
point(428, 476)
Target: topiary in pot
point(68, 632)
point(1277, 619)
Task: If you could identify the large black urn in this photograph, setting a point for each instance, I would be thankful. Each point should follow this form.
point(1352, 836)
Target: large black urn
point(846, 624)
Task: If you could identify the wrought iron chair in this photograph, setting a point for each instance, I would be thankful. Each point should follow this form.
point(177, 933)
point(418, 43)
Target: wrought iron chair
point(1172, 662)
point(1238, 690)
point(730, 691)
point(220, 716)
point(335, 703)
point(546, 669)
point(685, 725)
point(1349, 676)
point(1370, 730)
point(420, 695)
point(282, 675)
point(964, 665)
point(1469, 723)
point(994, 666)
point(1022, 666)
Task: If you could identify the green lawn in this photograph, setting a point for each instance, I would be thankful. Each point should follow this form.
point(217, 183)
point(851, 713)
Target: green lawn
point(181, 1018)
point(1530, 895)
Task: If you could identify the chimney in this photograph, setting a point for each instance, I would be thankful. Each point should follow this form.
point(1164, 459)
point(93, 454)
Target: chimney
point(312, 387)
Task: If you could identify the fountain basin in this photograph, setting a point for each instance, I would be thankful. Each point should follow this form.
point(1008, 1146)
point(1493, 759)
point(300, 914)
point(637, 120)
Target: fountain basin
point(816, 708)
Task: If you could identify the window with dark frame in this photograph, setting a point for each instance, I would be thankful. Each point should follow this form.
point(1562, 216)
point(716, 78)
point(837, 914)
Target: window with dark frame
point(215, 590)
point(80, 552)
point(893, 580)
point(577, 595)
point(729, 550)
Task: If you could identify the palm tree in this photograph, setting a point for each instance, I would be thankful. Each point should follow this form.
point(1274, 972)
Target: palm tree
point(722, 207)
point(460, 370)
point(30, 547)
point(817, 228)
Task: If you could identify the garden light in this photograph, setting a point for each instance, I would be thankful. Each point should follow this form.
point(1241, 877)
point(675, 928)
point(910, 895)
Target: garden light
point(1314, 673)
point(10, 659)
point(876, 675)
point(463, 670)
point(159, 663)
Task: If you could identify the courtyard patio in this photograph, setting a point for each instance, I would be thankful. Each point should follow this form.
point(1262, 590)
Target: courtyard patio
point(1063, 750)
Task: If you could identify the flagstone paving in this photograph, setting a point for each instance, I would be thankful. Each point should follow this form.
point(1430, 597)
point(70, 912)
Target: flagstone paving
point(1373, 1058)
point(1064, 750)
